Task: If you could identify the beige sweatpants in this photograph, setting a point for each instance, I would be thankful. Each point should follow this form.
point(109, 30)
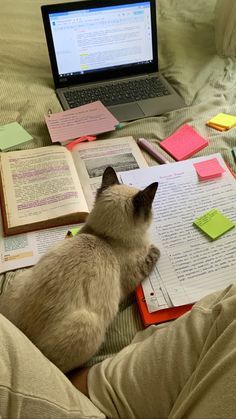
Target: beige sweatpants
point(186, 369)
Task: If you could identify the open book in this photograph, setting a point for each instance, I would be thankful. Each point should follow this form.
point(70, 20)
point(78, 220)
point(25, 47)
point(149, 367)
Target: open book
point(25, 249)
point(52, 186)
point(191, 265)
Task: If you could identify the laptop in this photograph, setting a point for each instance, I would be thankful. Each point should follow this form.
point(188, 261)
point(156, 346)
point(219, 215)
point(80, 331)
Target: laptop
point(107, 50)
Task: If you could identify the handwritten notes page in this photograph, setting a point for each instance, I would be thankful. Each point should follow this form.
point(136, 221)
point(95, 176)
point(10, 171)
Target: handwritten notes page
point(191, 265)
point(90, 119)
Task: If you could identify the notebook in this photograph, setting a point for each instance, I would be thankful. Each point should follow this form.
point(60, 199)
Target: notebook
point(107, 51)
point(159, 316)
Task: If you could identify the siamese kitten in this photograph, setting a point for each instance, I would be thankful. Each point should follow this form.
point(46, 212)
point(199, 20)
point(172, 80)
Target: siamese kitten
point(65, 303)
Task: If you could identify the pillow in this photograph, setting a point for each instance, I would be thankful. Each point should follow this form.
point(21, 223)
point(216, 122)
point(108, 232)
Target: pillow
point(31, 386)
point(225, 27)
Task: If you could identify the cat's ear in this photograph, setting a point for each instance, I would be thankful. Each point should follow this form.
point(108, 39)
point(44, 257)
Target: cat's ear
point(142, 201)
point(109, 178)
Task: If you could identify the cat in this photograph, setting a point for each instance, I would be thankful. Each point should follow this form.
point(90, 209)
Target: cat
point(65, 303)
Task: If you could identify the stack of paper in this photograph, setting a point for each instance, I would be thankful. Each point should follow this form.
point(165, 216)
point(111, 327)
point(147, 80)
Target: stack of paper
point(222, 122)
point(194, 228)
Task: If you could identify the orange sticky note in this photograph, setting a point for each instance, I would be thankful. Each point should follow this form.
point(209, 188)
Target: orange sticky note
point(217, 127)
point(183, 143)
point(209, 169)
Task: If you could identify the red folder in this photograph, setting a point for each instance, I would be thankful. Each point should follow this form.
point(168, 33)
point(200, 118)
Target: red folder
point(159, 316)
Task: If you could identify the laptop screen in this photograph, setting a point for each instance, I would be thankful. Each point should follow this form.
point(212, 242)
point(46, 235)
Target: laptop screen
point(89, 40)
point(99, 38)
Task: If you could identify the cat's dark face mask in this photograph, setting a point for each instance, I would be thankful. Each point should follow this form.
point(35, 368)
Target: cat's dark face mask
point(142, 201)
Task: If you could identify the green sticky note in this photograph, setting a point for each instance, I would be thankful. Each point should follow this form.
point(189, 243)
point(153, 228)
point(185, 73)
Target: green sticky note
point(12, 135)
point(214, 223)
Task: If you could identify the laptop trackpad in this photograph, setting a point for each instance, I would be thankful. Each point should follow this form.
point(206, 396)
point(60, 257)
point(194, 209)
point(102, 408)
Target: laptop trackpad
point(127, 112)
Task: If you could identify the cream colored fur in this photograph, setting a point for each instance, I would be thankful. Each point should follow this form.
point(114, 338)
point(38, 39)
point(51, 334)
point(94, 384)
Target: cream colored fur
point(65, 303)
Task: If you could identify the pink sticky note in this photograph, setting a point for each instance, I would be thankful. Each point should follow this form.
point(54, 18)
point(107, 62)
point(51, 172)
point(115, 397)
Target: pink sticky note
point(209, 169)
point(183, 143)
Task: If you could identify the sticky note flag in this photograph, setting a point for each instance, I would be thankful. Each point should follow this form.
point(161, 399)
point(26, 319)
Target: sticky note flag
point(72, 232)
point(222, 120)
point(71, 144)
point(12, 134)
point(209, 169)
point(183, 143)
point(214, 223)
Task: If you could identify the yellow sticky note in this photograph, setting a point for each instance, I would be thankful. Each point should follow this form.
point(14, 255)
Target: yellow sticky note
point(223, 120)
point(214, 223)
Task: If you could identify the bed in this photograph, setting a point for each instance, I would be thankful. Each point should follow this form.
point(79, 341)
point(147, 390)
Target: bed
point(188, 59)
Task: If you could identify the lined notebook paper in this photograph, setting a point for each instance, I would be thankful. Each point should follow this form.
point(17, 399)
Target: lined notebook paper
point(191, 265)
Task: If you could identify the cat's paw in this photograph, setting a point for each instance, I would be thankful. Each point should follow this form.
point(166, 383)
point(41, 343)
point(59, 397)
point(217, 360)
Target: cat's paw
point(152, 257)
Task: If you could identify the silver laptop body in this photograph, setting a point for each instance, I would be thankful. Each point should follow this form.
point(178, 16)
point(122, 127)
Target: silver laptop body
point(108, 52)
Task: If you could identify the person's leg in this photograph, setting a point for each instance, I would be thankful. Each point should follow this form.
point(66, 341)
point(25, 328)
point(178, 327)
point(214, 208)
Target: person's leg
point(156, 377)
point(31, 386)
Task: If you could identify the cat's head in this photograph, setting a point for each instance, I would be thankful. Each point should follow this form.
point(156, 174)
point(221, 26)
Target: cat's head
point(121, 209)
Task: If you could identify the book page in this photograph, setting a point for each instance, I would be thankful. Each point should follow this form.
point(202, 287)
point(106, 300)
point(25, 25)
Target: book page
point(23, 250)
point(191, 265)
point(40, 184)
point(91, 159)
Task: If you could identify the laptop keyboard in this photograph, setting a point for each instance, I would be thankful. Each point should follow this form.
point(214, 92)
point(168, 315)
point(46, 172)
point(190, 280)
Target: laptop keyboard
point(118, 93)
